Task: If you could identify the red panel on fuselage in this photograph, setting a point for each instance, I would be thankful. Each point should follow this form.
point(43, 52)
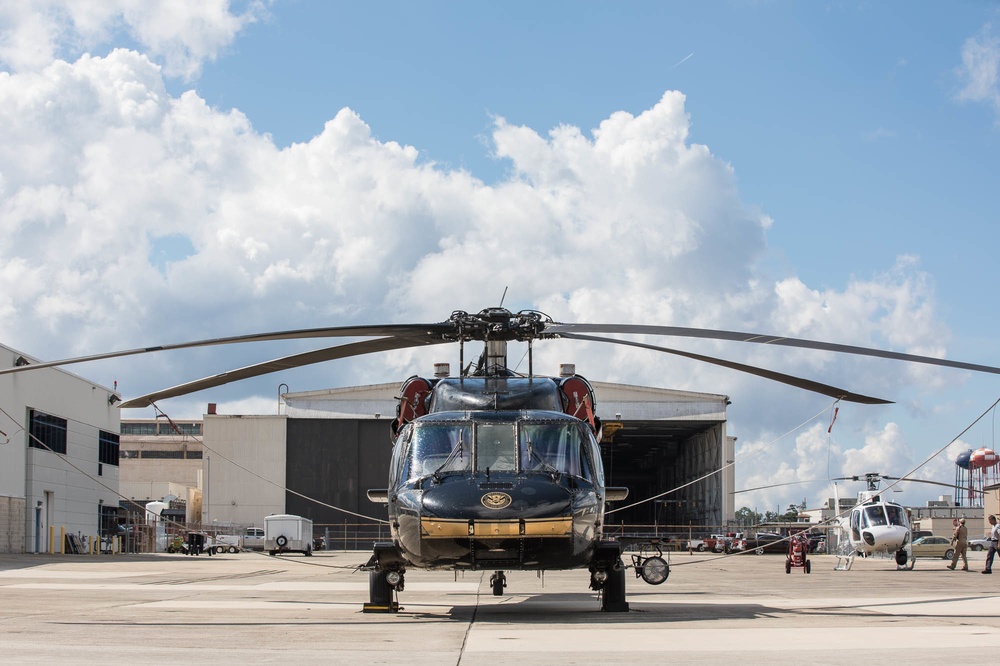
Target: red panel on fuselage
point(411, 401)
point(577, 399)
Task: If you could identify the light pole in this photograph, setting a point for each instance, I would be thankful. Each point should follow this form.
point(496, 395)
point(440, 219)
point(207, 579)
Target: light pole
point(279, 396)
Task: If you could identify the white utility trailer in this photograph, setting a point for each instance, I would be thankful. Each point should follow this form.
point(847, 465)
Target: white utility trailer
point(285, 533)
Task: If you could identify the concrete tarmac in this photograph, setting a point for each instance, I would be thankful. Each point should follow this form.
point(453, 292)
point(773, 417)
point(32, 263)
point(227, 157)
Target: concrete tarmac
point(251, 608)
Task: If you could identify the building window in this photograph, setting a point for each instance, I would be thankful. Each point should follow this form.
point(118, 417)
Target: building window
point(47, 432)
point(108, 443)
point(138, 428)
point(194, 455)
point(182, 428)
point(146, 455)
point(161, 428)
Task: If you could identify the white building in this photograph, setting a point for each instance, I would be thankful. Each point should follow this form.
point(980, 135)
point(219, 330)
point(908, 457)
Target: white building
point(58, 456)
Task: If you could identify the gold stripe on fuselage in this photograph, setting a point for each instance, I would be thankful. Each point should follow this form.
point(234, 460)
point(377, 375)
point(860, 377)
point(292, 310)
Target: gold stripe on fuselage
point(434, 528)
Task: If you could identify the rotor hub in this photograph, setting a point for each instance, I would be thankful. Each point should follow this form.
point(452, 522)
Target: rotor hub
point(498, 324)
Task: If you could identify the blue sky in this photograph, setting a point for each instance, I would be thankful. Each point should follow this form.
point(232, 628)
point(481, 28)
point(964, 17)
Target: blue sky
point(842, 120)
point(177, 171)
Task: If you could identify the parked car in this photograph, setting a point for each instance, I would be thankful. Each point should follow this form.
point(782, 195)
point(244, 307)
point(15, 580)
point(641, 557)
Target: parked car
point(979, 544)
point(817, 542)
point(764, 542)
point(697, 544)
point(933, 546)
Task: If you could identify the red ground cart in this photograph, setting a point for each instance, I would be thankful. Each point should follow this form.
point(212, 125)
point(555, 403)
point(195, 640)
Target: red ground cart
point(798, 554)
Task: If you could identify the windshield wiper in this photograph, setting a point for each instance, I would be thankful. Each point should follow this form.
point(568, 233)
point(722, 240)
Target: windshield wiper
point(546, 465)
point(450, 459)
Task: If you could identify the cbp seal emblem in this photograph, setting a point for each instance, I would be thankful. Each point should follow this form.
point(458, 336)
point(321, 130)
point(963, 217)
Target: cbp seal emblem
point(496, 500)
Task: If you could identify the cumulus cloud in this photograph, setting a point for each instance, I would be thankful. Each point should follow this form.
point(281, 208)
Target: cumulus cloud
point(179, 34)
point(812, 461)
point(133, 217)
point(979, 68)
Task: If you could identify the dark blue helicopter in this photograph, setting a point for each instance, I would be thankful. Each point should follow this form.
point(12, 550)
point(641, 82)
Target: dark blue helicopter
point(496, 473)
point(492, 470)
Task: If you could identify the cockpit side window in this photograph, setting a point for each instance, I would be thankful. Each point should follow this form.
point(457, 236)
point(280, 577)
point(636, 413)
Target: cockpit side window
point(400, 465)
point(594, 454)
point(439, 447)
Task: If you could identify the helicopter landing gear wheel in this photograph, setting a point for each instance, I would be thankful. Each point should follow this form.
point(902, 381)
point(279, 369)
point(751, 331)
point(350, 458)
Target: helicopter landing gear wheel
point(380, 594)
point(498, 581)
point(613, 597)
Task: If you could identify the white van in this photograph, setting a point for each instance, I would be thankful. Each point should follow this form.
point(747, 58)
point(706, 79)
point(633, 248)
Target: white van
point(285, 533)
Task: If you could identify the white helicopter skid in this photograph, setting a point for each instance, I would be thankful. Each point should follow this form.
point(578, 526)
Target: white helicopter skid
point(845, 557)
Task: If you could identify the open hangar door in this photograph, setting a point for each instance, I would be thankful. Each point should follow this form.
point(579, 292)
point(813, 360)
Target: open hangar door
point(655, 456)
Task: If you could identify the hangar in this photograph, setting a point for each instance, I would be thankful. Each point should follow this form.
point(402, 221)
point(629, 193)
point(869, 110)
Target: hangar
point(333, 445)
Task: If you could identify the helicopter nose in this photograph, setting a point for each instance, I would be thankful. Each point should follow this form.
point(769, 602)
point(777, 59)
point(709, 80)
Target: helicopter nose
point(890, 537)
point(524, 498)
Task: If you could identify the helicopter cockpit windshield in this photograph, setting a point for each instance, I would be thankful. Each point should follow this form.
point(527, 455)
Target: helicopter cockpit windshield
point(874, 516)
point(884, 514)
point(552, 447)
point(440, 447)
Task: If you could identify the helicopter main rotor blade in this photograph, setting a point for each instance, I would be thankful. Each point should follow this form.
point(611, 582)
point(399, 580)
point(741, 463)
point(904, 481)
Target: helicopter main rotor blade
point(877, 477)
point(797, 382)
point(933, 483)
point(773, 485)
point(681, 331)
point(285, 363)
point(428, 331)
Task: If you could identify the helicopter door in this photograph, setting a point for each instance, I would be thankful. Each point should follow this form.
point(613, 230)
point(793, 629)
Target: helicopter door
point(856, 525)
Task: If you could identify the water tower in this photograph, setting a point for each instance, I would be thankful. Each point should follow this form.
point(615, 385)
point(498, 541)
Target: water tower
point(982, 472)
point(963, 481)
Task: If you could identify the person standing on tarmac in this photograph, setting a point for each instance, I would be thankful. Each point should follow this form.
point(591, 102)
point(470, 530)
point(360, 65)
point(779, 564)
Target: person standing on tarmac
point(994, 537)
point(960, 539)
